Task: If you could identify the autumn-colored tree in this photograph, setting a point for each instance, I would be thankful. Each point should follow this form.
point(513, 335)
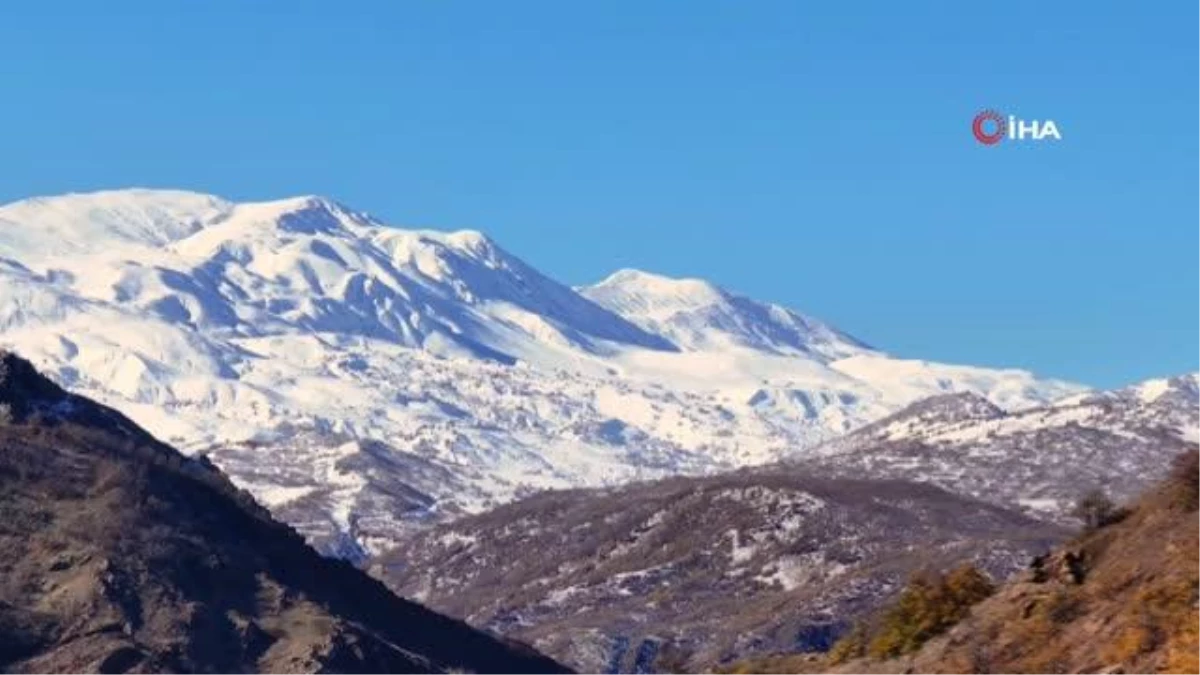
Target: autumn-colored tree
point(930, 605)
point(852, 645)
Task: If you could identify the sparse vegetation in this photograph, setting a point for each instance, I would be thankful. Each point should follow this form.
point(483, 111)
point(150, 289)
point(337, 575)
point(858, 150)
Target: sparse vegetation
point(1131, 642)
point(931, 604)
point(1096, 510)
point(1183, 483)
point(771, 665)
point(1183, 649)
point(727, 567)
point(1120, 597)
point(851, 645)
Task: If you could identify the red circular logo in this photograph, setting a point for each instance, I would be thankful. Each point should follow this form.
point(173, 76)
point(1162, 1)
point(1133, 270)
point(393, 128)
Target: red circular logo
point(980, 125)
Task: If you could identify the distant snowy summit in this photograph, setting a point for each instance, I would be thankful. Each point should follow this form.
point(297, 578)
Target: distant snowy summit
point(361, 376)
point(697, 315)
point(301, 263)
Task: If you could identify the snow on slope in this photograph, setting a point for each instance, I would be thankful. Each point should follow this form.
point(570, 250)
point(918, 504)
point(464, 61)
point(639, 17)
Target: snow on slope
point(697, 315)
point(1043, 458)
point(360, 377)
point(38, 229)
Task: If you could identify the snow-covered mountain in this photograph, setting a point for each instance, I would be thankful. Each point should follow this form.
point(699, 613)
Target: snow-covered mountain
point(697, 315)
point(356, 376)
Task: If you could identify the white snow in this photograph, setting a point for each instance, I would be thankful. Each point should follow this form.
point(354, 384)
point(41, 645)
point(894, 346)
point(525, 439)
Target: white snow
point(740, 553)
point(1150, 390)
point(272, 496)
point(452, 538)
point(212, 323)
point(793, 571)
point(1041, 506)
point(697, 315)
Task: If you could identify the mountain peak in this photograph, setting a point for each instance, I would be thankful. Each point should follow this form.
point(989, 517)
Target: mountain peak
point(305, 262)
point(299, 203)
point(959, 406)
point(660, 289)
point(307, 214)
point(143, 196)
point(470, 240)
point(153, 204)
point(698, 315)
point(89, 222)
point(1150, 391)
point(630, 275)
point(299, 324)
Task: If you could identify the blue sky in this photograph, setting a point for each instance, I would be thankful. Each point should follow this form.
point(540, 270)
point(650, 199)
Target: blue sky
point(816, 154)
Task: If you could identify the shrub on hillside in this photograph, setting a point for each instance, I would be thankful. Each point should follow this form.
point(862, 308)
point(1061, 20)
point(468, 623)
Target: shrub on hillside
point(930, 604)
point(852, 645)
point(1096, 510)
point(1183, 483)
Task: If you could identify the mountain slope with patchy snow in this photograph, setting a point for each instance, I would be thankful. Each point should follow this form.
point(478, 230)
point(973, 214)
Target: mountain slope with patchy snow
point(1041, 458)
point(682, 574)
point(360, 377)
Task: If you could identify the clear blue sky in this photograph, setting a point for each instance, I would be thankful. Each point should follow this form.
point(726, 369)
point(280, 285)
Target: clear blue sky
point(816, 154)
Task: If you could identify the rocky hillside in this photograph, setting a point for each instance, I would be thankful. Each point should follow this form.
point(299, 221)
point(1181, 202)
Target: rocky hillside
point(1119, 598)
point(118, 554)
point(1041, 459)
point(686, 573)
point(698, 571)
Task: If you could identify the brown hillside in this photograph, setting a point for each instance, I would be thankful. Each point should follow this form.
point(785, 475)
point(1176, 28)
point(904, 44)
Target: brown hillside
point(1120, 598)
point(118, 554)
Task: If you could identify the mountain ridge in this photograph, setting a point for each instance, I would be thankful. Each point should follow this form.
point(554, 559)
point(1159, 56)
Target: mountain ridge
point(312, 350)
point(682, 574)
point(698, 314)
point(1044, 458)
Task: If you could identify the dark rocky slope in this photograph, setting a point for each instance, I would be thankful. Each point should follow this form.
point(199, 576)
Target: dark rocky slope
point(687, 573)
point(118, 554)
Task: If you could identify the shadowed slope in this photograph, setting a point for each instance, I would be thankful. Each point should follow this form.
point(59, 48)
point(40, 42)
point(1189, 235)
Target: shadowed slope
point(119, 554)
